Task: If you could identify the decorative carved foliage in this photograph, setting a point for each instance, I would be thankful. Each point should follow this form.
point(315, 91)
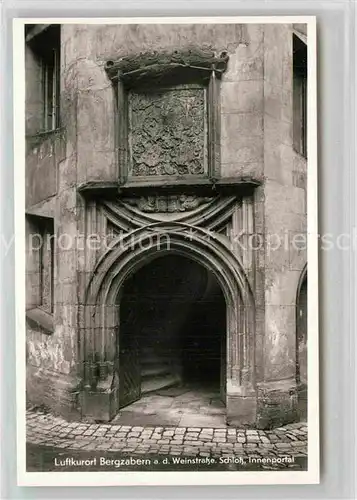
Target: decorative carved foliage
point(169, 203)
point(167, 132)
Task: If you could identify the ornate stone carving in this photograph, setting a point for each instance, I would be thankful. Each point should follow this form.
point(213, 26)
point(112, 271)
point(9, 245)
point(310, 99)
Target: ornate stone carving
point(163, 204)
point(167, 132)
point(157, 65)
point(168, 115)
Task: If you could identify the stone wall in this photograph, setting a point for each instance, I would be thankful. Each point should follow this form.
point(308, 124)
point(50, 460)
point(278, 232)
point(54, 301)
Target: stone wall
point(284, 220)
point(256, 140)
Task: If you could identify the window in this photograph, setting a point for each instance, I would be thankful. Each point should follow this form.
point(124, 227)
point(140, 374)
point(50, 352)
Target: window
point(300, 95)
point(44, 41)
point(46, 265)
point(40, 263)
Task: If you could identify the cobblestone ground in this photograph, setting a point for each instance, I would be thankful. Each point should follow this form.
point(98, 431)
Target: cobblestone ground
point(288, 441)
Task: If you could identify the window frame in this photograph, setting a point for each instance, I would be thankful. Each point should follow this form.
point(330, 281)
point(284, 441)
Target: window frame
point(45, 43)
point(51, 103)
point(300, 111)
point(46, 229)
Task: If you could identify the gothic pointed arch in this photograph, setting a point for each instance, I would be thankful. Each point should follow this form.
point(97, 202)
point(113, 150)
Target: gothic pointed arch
point(126, 254)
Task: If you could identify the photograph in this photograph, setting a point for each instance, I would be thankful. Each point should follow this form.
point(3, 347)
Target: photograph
point(169, 184)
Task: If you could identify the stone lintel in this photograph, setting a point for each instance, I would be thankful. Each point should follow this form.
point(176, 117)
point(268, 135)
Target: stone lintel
point(226, 186)
point(144, 67)
point(99, 188)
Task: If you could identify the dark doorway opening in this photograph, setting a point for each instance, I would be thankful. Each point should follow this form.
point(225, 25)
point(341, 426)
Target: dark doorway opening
point(172, 330)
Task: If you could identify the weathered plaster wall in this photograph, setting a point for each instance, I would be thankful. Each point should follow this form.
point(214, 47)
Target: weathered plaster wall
point(33, 118)
point(44, 150)
point(242, 107)
point(90, 101)
point(256, 139)
point(32, 267)
point(284, 217)
point(42, 159)
point(52, 355)
point(88, 116)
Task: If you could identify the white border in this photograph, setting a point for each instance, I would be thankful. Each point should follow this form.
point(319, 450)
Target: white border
point(131, 478)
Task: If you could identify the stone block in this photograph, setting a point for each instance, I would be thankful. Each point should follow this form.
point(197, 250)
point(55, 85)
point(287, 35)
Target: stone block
point(280, 342)
point(277, 404)
point(278, 102)
point(67, 173)
point(302, 401)
point(246, 62)
point(277, 46)
point(242, 97)
point(57, 393)
point(99, 405)
point(241, 151)
point(66, 263)
point(234, 125)
point(241, 411)
point(278, 131)
point(243, 169)
point(282, 288)
point(43, 155)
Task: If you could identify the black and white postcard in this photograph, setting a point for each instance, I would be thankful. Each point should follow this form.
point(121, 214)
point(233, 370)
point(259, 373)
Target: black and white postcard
point(166, 256)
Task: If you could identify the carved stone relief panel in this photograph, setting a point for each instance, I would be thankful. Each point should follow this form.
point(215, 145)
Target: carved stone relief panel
point(167, 132)
point(168, 120)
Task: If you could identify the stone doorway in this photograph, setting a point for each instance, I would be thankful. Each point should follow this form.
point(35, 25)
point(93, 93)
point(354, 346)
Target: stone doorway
point(172, 338)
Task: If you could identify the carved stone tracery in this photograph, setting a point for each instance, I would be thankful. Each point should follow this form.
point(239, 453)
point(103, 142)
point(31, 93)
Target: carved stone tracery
point(167, 204)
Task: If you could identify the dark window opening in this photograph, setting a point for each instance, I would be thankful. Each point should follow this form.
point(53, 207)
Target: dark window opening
point(41, 253)
point(300, 96)
point(46, 48)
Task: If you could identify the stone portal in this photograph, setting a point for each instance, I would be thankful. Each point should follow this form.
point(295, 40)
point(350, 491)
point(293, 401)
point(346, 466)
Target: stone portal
point(172, 329)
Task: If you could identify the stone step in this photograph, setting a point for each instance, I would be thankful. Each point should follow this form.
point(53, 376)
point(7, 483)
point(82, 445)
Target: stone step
point(154, 360)
point(157, 383)
point(154, 370)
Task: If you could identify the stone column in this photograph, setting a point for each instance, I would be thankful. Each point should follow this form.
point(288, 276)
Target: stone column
point(242, 155)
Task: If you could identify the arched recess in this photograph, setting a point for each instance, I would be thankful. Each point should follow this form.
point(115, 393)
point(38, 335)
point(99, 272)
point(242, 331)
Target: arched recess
point(99, 339)
point(301, 342)
point(301, 328)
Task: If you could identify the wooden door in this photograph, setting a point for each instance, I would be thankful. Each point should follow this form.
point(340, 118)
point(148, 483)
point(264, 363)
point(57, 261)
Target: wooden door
point(223, 374)
point(129, 367)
